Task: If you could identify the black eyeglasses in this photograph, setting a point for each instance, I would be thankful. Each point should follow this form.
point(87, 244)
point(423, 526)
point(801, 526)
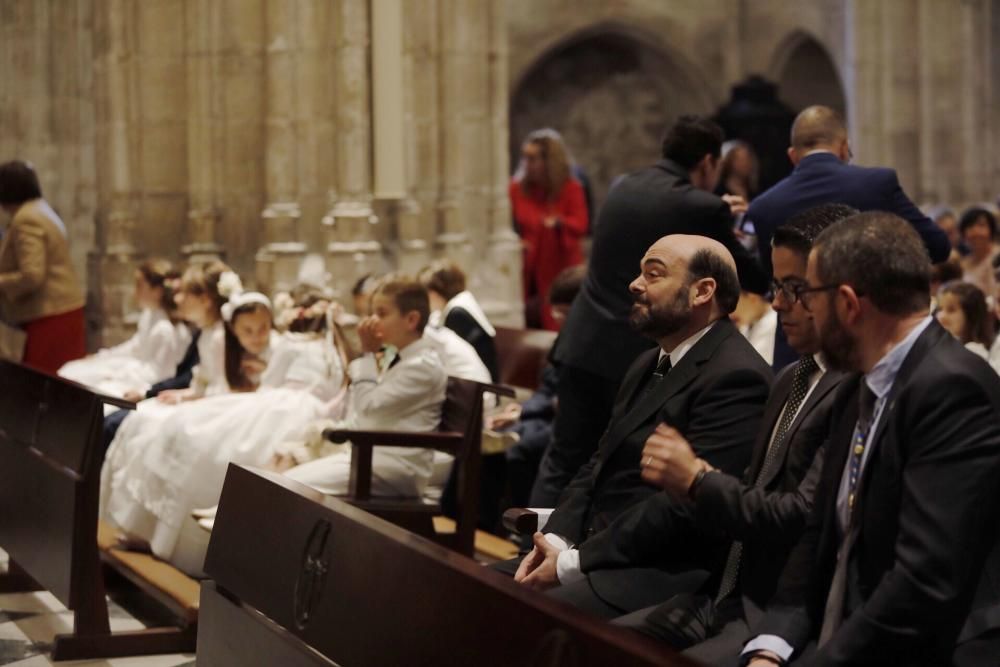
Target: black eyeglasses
point(791, 290)
point(807, 291)
point(798, 292)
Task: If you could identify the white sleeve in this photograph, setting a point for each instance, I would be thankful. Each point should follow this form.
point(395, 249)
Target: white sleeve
point(772, 643)
point(406, 384)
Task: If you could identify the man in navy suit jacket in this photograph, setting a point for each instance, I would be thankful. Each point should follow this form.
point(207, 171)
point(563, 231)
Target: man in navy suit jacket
point(820, 152)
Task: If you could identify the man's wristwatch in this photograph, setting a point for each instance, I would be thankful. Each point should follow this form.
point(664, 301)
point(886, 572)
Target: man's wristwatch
point(693, 489)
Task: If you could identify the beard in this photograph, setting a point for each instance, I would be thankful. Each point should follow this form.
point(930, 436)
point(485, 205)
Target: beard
point(840, 349)
point(658, 321)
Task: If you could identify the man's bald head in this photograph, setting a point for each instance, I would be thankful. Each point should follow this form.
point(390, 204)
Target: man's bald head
point(818, 127)
point(705, 258)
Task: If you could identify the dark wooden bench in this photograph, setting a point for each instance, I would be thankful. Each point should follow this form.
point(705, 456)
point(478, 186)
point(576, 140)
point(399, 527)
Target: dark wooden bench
point(459, 434)
point(51, 453)
point(305, 579)
point(521, 355)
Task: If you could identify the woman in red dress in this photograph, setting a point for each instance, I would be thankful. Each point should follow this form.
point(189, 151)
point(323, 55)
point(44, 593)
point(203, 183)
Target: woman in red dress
point(550, 213)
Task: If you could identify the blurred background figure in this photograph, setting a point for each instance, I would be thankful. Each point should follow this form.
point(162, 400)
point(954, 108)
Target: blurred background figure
point(39, 290)
point(758, 323)
point(738, 170)
point(946, 219)
point(550, 214)
point(962, 310)
point(978, 227)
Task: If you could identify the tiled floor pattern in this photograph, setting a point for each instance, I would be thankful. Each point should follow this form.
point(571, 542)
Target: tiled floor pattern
point(29, 621)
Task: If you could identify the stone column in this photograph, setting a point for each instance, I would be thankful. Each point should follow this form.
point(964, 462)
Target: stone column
point(202, 19)
point(278, 260)
point(351, 247)
point(505, 290)
point(112, 264)
point(416, 217)
point(455, 83)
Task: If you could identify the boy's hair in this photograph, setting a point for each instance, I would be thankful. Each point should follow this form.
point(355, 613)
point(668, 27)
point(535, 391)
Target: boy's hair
point(567, 285)
point(408, 295)
point(444, 277)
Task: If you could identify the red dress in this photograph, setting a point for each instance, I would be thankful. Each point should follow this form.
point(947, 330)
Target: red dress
point(547, 251)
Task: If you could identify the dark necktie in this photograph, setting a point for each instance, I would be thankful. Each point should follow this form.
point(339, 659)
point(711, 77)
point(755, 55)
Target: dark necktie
point(804, 370)
point(662, 368)
point(833, 614)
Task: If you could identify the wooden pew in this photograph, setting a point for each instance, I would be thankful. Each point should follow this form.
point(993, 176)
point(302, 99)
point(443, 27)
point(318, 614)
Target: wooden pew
point(51, 453)
point(305, 579)
point(521, 355)
point(459, 434)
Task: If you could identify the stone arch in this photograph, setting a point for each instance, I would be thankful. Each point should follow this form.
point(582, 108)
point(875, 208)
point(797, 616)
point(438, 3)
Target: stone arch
point(611, 90)
point(806, 74)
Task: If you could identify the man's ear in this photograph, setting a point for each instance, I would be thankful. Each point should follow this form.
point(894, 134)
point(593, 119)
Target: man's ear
point(851, 308)
point(703, 291)
point(793, 156)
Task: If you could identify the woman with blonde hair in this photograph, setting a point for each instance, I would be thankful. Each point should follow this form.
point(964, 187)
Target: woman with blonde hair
point(550, 213)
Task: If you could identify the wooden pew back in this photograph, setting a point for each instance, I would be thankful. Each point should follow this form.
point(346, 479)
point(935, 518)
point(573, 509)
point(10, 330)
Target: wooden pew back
point(293, 568)
point(521, 355)
point(51, 453)
point(50, 462)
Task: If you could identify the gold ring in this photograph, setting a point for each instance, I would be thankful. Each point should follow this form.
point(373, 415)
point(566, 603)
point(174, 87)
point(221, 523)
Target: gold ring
point(649, 460)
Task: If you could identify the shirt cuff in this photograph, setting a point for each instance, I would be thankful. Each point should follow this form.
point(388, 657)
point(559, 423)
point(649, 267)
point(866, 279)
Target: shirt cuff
point(558, 541)
point(364, 368)
point(772, 643)
point(568, 567)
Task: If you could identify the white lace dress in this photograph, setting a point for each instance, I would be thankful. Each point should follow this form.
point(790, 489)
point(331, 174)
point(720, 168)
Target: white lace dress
point(151, 355)
point(181, 464)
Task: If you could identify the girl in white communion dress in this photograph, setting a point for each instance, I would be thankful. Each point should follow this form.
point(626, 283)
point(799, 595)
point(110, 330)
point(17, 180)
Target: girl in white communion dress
point(182, 463)
point(152, 354)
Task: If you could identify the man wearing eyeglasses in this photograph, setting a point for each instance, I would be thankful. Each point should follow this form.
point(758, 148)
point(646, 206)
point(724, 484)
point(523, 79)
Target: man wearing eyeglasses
point(821, 153)
point(755, 520)
point(899, 562)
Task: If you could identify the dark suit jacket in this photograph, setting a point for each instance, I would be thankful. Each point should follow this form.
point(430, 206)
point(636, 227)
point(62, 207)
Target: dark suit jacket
point(927, 514)
point(643, 207)
point(714, 396)
point(821, 178)
point(668, 534)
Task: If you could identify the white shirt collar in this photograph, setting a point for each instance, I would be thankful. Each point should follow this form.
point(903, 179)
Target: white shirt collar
point(678, 352)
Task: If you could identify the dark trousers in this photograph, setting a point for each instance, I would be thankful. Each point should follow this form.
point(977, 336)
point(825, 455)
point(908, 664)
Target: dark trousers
point(111, 425)
point(711, 634)
point(585, 404)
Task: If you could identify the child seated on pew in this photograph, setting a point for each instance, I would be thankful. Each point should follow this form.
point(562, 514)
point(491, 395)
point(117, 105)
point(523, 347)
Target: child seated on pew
point(456, 308)
point(406, 396)
point(205, 288)
point(149, 356)
point(281, 383)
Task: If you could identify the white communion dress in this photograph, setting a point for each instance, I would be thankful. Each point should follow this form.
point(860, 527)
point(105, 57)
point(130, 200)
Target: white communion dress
point(149, 356)
point(151, 484)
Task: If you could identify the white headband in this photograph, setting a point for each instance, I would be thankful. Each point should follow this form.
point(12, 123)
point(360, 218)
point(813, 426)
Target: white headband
point(244, 299)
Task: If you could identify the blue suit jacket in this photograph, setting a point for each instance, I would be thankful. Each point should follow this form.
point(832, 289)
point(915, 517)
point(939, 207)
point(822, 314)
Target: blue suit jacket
point(821, 178)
